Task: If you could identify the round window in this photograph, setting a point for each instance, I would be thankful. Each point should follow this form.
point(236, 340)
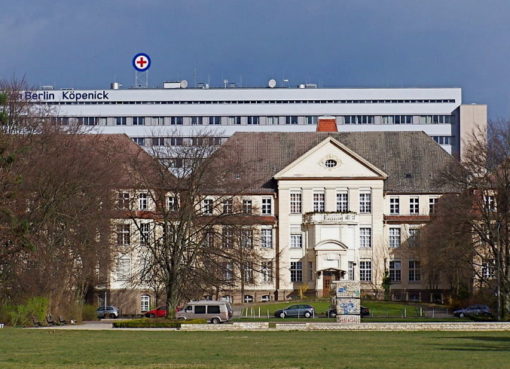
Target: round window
point(330, 163)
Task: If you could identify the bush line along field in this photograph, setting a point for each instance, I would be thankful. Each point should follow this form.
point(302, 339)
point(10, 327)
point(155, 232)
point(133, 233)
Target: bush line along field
point(21, 348)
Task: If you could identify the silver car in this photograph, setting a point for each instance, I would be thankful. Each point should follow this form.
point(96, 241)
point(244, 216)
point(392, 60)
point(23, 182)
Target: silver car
point(111, 312)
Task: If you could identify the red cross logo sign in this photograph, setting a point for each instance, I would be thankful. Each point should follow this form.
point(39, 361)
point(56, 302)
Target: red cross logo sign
point(141, 62)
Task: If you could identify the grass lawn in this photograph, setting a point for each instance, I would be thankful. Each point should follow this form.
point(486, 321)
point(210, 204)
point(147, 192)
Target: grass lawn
point(21, 348)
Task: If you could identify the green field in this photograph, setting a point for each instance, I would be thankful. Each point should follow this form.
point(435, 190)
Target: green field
point(20, 348)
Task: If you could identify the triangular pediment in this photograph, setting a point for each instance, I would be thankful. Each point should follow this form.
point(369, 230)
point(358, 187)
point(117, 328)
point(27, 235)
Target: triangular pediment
point(330, 159)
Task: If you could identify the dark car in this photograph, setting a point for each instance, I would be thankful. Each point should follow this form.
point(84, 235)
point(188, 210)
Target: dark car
point(107, 312)
point(160, 312)
point(331, 313)
point(298, 311)
point(473, 310)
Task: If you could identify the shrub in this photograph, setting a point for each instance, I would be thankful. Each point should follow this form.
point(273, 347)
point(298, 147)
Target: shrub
point(88, 312)
point(22, 314)
point(156, 323)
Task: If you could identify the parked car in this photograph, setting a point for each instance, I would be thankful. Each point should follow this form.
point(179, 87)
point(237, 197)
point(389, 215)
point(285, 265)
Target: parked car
point(364, 311)
point(473, 310)
point(299, 311)
point(214, 311)
point(160, 312)
point(107, 312)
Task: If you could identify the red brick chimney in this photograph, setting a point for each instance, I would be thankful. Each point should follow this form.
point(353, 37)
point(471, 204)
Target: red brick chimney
point(327, 124)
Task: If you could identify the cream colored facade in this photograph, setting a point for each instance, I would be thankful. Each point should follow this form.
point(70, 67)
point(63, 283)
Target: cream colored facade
point(334, 219)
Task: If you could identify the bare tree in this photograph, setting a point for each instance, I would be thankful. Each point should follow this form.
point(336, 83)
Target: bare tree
point(484, 181)
point(201, 236)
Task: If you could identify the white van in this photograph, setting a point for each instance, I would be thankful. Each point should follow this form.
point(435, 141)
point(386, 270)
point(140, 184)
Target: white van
point(214, 311)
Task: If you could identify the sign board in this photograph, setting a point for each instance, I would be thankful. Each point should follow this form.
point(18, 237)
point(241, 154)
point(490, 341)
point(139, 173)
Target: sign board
point(141, 62)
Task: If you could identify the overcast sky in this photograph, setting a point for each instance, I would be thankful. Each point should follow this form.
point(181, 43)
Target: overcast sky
point(335, 43)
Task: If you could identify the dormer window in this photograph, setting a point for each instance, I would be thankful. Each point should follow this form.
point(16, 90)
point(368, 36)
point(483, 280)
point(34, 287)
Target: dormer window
point(330, 163)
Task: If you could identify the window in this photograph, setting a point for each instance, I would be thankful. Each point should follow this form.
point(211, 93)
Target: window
point(414, 271)
point(176, 121)
point(432, 205)
point(229, 271)
point(120, 121)
point(365, 270)
point(350, 270)
point(176, 141)
point(207, 206)
point(311, 119)
point(365, 237)
point(267, 271)
point(489, 202)
point(145, 303)
point(143, 200)
point(199, 309)
point(359, 119)
point(123, 268)
point(247, 269)
point(272, 120)
point(318, 202)
point(397, 119)
point(172, 203)
point(291, 119)
point(414, 205)
point(215, 120)
point(138, 121)
point(365, 202)
point(227, 206)
point(295, 202)
point(197, 120)
point(248, 298)
point(266, 206)
point(266, 238)
point(488, 270)
point(330, 163)
point(394, 237)
point(395, 271)
point(342, 202)
point(247, 238)
point(123, 234)
point(296, 271)
point(209, 238)
point(139, 140)
point(144, 233)
point(296, 241)
point(227, 237)
point(123, 200)
point(213, 309)
point(394, 205)
point(158, 141)
point(414, 237)
point(310, 271)
point(158, 121)
point(253, 120)
point(247, 206)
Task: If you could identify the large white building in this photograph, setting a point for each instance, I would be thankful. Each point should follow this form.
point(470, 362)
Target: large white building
point(168, 116)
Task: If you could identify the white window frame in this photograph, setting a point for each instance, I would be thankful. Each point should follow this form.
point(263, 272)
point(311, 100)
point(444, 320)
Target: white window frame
point(414, 205)
point(342, 201)
point(394, 205)
point(145, 303)
point(296, 240)
point(365, 270)
point(395, 271)
point(365, 202)
point(365, 237)
point(207, 206)
point(266, 208)
point(414, 271)
point(319, 201)
point(266, 238)
point(296, 199)
point(296, 271)
point(145, 231)
point(395, 237)
point(266, 271)
point(143, 201)
point(123, 234)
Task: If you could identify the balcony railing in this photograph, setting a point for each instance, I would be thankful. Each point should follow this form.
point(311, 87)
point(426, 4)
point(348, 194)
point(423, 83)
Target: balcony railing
point(331, 218)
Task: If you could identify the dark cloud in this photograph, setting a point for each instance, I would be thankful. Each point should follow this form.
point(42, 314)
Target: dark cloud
point(391, 43)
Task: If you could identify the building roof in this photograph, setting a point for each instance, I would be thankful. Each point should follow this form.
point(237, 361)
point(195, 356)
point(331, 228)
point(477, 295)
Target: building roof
point(412, 160)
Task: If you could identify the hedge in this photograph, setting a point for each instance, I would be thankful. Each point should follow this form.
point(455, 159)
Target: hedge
point(156, 323)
